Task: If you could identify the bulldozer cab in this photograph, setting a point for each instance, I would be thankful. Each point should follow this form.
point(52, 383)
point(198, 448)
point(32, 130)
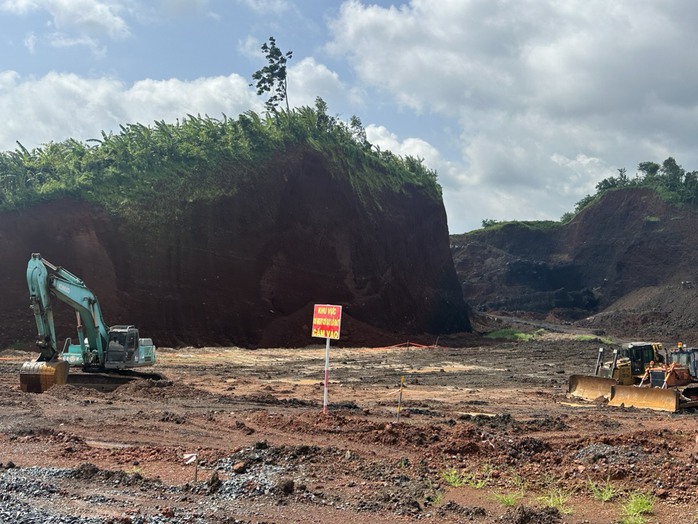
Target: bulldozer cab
point(641, 354)
point(687, 357)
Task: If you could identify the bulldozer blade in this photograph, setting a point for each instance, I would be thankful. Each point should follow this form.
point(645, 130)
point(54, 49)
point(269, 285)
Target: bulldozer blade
point(37, 377)
point(590, 388)
point(645, 398)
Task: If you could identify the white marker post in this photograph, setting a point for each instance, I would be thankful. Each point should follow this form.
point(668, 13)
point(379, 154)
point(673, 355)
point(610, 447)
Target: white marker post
point(326, 396)
point(327, 321)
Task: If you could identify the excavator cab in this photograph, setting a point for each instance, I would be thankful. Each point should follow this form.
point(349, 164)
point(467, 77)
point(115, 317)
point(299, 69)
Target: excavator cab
point(123, 345)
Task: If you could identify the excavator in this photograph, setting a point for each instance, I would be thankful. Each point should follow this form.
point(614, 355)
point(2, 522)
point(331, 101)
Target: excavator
point(100, 349)
point(643, 375)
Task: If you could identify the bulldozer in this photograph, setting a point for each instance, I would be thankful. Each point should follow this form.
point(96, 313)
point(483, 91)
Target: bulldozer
point(642, 375)
point(626, 368)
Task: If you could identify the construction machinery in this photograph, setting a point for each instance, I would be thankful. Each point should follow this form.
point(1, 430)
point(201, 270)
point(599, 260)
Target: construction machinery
point(99, 349)
point(626, 368)
point(643, 375)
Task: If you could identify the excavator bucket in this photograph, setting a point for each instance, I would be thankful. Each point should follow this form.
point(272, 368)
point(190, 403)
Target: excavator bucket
point(645, 398)
point(37, 377)
point(590, 388)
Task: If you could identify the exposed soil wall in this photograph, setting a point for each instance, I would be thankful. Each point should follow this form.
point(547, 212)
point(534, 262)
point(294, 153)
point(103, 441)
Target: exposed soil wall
point(246, 269)
point(630, 240)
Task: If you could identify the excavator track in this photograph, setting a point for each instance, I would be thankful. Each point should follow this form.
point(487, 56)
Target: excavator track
point(108, 381)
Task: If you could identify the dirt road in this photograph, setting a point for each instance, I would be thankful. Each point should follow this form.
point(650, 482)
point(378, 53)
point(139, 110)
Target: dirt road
point(486, 434)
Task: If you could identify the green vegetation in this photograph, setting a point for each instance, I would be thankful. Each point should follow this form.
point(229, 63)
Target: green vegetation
point(671, 181)
point(602, 492)
point(556, 498)
point(453, 478)
point(636, 506)
point(508, 499)
point(456, 479)
point(515, 334)
point(532, 225)
point(519, 483)
point(433, 495)
point(165, 166)
point(272, 77)
point(479, 480)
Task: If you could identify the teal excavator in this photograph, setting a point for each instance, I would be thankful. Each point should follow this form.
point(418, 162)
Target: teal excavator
point(100, 349)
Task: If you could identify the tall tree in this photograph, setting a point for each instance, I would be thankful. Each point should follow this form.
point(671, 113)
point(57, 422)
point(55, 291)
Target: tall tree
point(272, 77)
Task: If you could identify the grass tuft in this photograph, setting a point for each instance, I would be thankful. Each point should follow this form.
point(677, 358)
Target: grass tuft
point(637, 505)
point(556, 498)
point(508, 499)
point(453, 478)
point(602, 492)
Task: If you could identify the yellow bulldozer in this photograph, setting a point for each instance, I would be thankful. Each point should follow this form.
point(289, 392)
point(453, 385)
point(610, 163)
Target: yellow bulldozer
point(642, 375)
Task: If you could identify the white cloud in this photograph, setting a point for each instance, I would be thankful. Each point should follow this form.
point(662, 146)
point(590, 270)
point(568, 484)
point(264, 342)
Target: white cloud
point(309, 79)
point(30, 42)
point(74, 22)
point(60, 106)
point(266, 6)
point(88, 16)
point(532, 83)
point(19, 7)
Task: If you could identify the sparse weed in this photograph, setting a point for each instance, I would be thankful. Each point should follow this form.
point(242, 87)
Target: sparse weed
point(456, 479)
point(633, 519)
point(602, 492)
point(453, 478)
point(434, 496)
point(637, 505)
point(519, 483)
point(476, 482)
point(556, 498)
point(508, 499)
point(479, 481)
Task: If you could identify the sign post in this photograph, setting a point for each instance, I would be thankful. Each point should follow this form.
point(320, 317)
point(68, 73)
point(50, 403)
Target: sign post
point(327, 320)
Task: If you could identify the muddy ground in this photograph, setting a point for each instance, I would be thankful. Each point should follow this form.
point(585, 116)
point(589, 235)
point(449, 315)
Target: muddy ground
point(493, 417)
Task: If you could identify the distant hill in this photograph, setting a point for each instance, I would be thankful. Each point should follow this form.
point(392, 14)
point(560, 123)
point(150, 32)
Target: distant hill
point(627, 260)
point(227, 232)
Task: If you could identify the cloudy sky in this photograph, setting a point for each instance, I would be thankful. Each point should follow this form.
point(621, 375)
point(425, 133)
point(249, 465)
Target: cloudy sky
point(522, 106)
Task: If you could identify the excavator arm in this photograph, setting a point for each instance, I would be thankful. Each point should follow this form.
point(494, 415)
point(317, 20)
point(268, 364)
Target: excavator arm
point(40, 303)
point(45, 280)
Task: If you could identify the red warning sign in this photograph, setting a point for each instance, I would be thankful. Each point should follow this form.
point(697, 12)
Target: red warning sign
point(327, 320)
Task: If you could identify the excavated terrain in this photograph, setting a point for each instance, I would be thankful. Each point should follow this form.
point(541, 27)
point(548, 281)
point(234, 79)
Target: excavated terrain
point(624, 265)
point(486, 434)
